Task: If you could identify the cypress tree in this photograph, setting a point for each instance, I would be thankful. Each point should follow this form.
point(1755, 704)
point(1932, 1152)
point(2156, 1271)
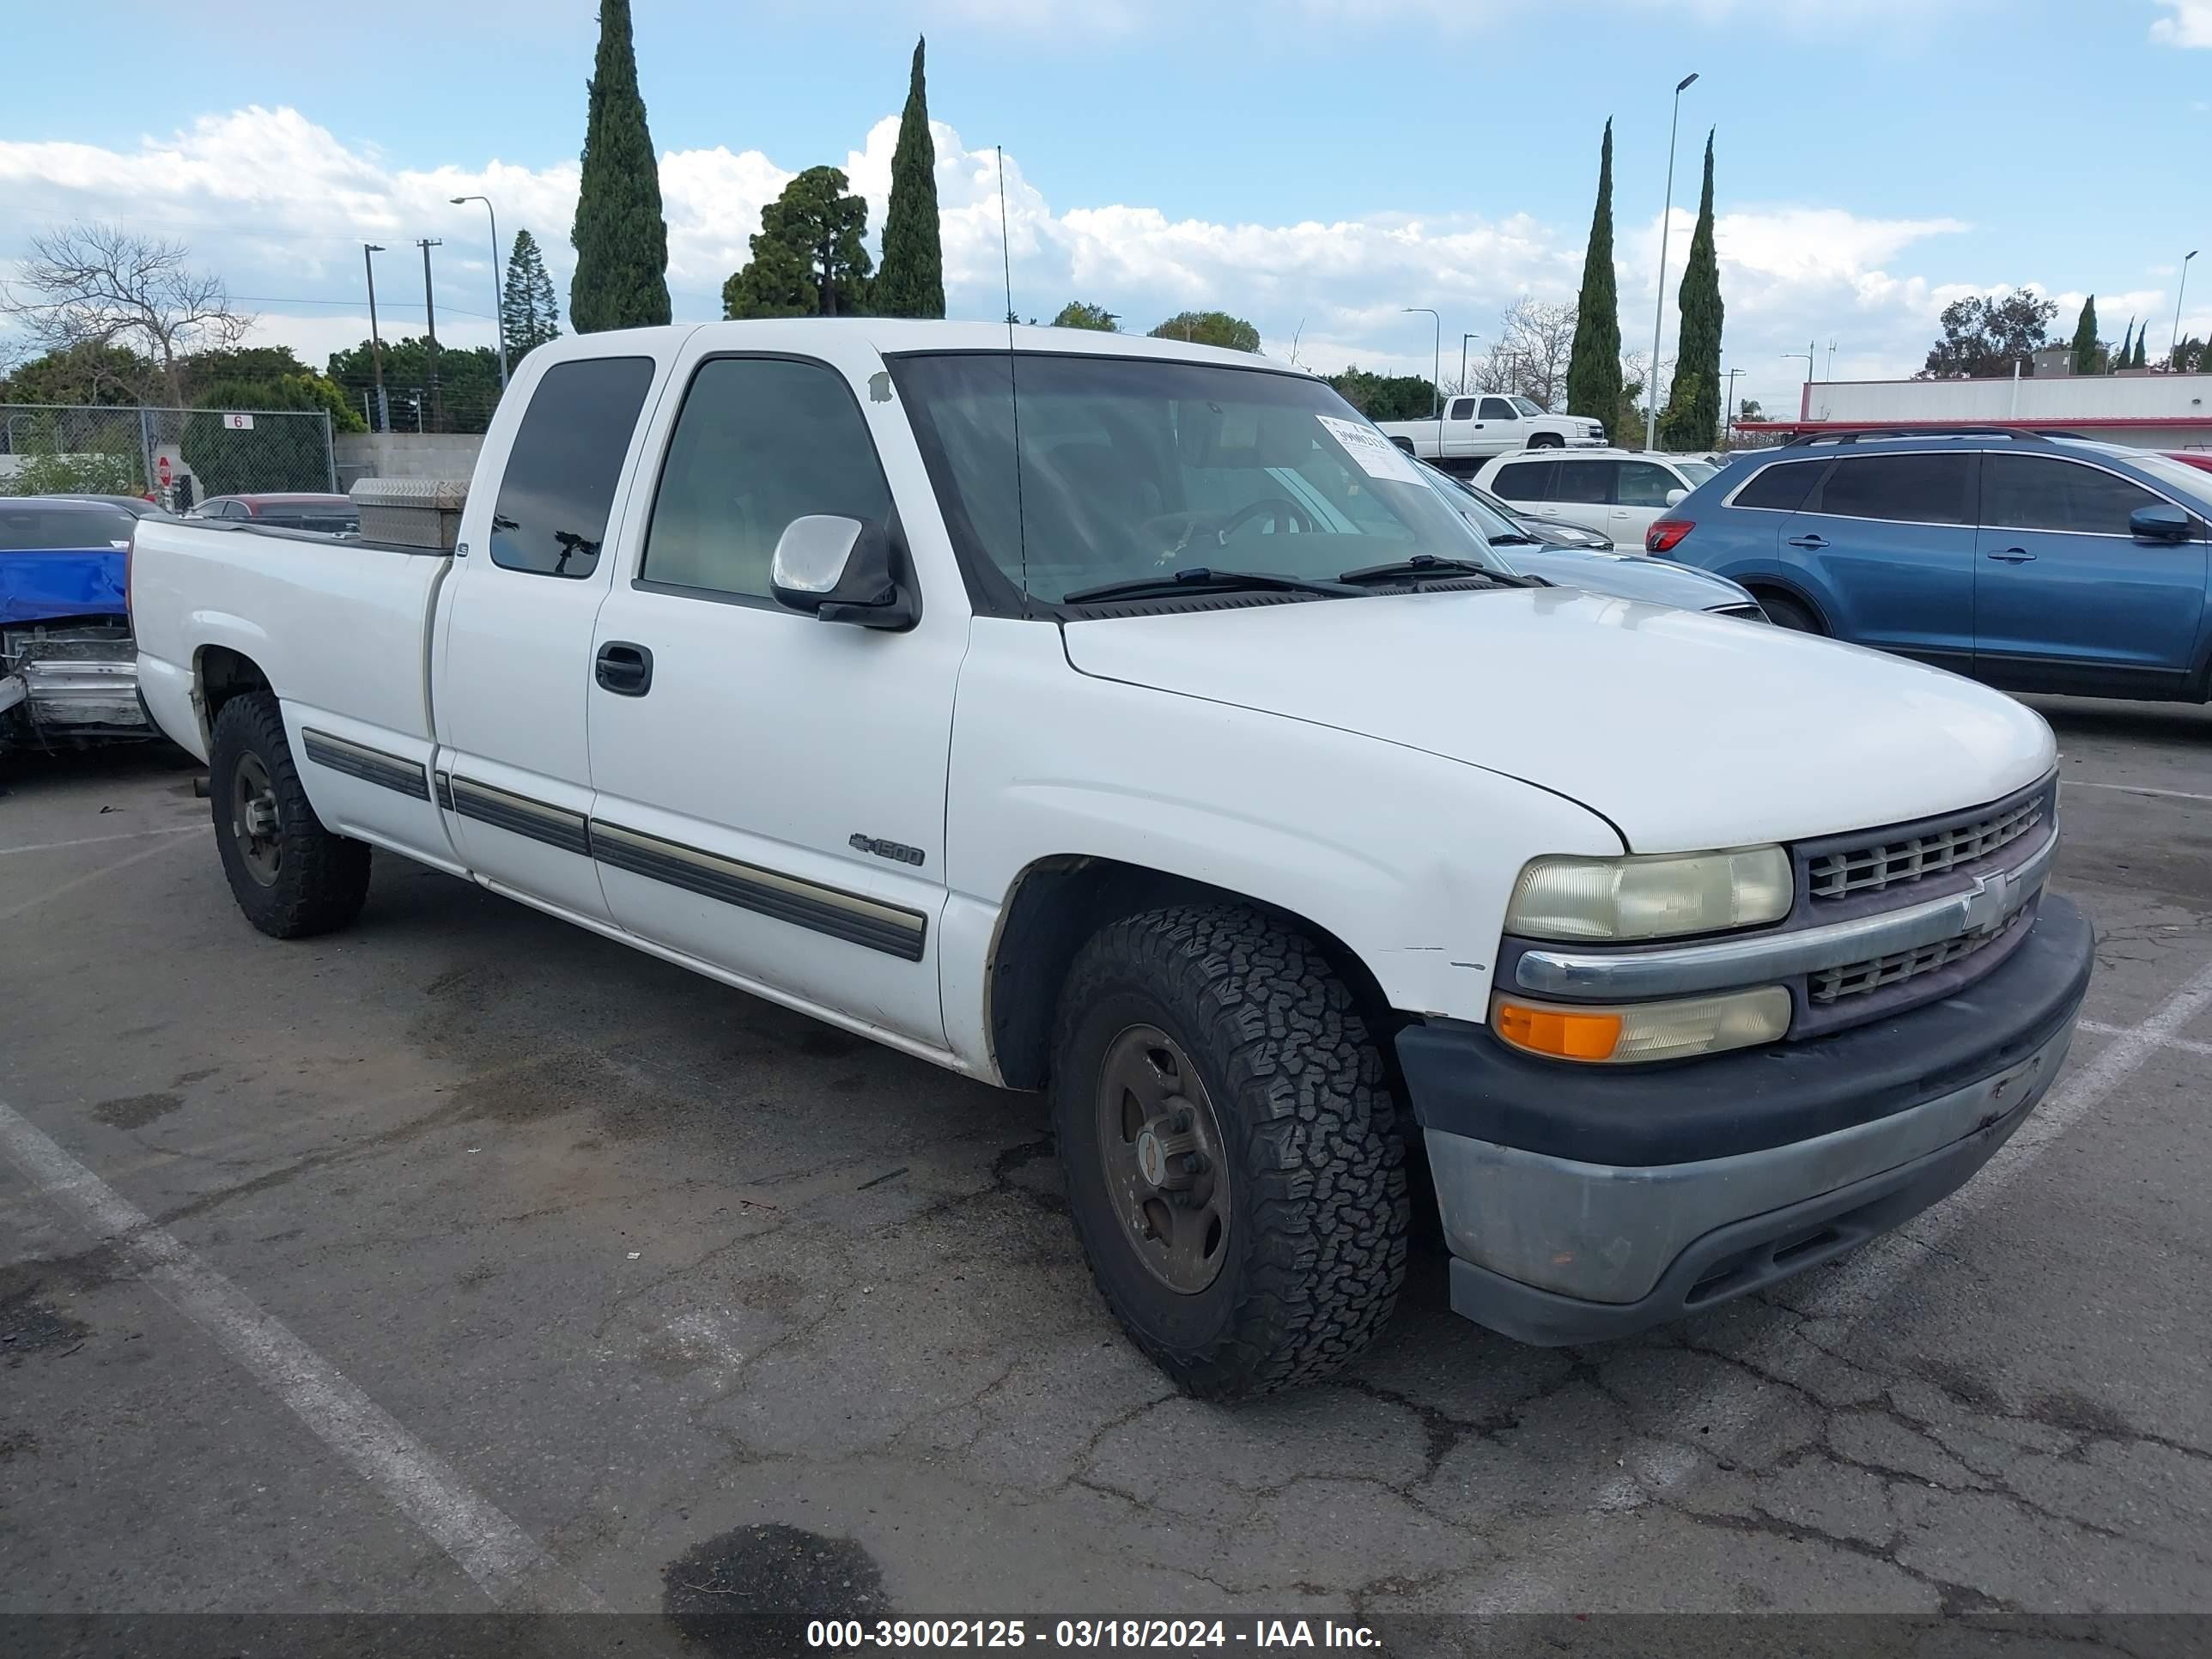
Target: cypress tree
point(621, 236)
point(2141, 359)
point(912, 281)
point(1594, 366)
point(2085, 338)
point(2119, 359)
point(1693, 401)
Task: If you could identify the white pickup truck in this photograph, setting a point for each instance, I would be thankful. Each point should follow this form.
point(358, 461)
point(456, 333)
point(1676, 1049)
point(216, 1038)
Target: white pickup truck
point(1466, 431)
point(1128, 719)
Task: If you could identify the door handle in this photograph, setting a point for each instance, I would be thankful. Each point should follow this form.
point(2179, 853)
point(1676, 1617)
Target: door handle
point(624, 669)
point(1815, 543)
point(2013, 555)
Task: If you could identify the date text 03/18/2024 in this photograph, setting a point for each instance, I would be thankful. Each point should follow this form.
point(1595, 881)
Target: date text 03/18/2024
point(1166, 1634)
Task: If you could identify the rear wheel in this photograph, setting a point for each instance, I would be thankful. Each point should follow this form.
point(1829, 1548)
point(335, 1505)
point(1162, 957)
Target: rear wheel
point(290, 875)
point(1785, 612)
point(1231, 1149)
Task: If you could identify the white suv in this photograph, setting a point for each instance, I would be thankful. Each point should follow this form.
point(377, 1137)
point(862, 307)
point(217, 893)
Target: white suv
point(1616, 492)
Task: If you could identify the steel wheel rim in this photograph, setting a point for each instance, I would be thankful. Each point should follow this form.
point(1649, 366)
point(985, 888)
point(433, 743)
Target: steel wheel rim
point(254, 822)
point(1160, 1150)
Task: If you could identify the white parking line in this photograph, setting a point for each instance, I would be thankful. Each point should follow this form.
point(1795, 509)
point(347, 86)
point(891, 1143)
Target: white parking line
point(2132, 789)
point(1857, 1290)
point(68, 887)
point(506, 1563)
point(101, 841)
point(2187, 1045)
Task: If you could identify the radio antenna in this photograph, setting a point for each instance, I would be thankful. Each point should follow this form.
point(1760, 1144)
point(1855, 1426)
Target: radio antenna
point(1014, 391)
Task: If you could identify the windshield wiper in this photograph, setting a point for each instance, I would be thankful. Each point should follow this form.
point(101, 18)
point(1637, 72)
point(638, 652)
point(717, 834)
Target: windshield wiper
point(1201, 579)
point(1423, 565)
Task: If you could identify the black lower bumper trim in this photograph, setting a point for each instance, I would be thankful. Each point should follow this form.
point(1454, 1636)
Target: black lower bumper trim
point(1463, 1081)
point(1737, 1258)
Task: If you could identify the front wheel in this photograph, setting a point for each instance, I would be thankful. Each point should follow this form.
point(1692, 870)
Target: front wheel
point(1231, 1149)
point(290, 875)
point(1546, 440)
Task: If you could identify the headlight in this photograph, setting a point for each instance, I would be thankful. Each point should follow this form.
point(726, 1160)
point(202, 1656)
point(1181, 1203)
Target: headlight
point(1651, 897)
point(1622, 1032)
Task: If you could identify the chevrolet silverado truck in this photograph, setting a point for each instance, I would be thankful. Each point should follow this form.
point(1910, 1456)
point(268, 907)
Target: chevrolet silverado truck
point(1465, 432)
point(1008, 698)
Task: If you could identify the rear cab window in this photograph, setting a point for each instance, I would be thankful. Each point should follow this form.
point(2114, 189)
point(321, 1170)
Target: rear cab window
point(1462, 409)
point(46, 529)
point(558, 486)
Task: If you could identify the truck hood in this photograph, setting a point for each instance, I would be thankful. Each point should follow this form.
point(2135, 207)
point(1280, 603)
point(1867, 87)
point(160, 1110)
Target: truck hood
point(1686, 731)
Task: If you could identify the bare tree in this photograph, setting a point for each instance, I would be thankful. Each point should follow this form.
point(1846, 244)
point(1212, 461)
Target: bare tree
point(101, 285)
point(1535, 338)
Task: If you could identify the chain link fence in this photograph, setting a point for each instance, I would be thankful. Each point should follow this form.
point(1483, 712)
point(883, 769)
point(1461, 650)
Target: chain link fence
point(178, 456)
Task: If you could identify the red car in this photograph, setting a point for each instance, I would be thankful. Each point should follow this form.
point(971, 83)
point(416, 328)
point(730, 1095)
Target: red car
point(290, 510)
point(2198, 457)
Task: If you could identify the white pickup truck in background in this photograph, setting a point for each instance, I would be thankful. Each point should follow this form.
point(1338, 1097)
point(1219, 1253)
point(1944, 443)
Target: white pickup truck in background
point(1160, 739)
point(1466, 431)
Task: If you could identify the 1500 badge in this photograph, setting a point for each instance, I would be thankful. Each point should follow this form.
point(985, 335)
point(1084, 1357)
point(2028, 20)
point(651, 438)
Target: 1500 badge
point(897, 851)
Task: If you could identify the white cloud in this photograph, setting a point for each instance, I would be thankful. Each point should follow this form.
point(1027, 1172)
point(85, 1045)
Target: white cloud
point(2190, 26)
point(281, 206)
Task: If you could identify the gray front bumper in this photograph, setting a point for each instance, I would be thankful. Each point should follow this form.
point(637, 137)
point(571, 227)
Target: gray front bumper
point(1551, 1250)
point(81, 688)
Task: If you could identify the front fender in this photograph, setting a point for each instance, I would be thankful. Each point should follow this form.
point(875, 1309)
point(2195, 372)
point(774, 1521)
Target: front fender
point(1405, 856)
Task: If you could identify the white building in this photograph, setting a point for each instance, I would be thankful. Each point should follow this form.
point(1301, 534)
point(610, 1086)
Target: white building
point(2150, 411)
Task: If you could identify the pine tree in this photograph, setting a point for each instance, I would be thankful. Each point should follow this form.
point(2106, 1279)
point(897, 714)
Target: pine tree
point(621, 236)
point(529, 315)
point(1593, 367)
point(1693, 401)
point(2085, 338)
point(810, 258)
point(912, 281)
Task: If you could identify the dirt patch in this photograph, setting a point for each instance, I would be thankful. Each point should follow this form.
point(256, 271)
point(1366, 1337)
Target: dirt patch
point(136, 1111)
point(752, 1590)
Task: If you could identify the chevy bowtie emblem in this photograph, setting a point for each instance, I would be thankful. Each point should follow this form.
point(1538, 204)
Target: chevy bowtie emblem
point(1985, 901)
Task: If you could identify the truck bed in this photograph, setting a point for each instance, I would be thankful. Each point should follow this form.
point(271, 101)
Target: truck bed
point(335, 623)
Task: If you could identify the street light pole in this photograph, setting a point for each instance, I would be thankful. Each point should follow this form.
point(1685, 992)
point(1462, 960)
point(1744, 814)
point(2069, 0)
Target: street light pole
point(1728, 426)
point(1436, 377)
point(1463, 339)
point(498, 293)
point(1659, 310)
point(430, 320)
point(2173, 351)
point(376, 341)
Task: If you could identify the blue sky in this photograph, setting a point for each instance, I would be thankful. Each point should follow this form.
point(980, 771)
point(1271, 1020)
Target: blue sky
point(1315, 166)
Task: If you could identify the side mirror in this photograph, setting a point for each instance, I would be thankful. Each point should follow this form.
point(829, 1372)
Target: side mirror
point(2162, 523)
point(1676, 497)
point(840, 569)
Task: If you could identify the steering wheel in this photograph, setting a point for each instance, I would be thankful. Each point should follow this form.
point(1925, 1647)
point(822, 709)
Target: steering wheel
point(1276, 508)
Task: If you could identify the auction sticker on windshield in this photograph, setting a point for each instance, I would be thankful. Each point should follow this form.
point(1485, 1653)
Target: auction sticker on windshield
point(1377, 455)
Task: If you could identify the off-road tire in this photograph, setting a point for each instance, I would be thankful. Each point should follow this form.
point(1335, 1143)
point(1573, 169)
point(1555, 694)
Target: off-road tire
point(322, 879)
point(1788, 613)
point(1316, 1248)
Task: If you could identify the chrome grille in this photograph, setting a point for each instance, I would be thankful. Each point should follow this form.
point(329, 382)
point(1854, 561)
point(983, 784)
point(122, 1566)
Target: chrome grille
point(1886, 863)
point(1859, 978)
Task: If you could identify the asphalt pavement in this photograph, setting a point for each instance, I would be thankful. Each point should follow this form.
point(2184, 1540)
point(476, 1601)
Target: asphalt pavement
point(466, 1261)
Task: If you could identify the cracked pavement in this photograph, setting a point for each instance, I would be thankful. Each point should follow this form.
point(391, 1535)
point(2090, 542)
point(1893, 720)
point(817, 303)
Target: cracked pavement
point(694, 1289)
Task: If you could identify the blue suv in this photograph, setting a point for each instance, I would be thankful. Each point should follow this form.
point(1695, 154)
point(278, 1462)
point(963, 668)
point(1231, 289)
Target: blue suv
point(2031, 562)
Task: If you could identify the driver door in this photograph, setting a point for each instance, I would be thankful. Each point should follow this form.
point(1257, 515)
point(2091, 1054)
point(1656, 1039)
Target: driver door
point(770, 786)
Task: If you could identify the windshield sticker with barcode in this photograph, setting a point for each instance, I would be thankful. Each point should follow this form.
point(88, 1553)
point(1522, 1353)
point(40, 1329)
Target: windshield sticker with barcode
point(1377, 455)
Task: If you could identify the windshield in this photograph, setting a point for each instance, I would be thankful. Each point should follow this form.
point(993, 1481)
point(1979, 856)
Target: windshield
point(1529, 406)
point(1695, 471)
point(1132, 469)
point(1483, 515)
